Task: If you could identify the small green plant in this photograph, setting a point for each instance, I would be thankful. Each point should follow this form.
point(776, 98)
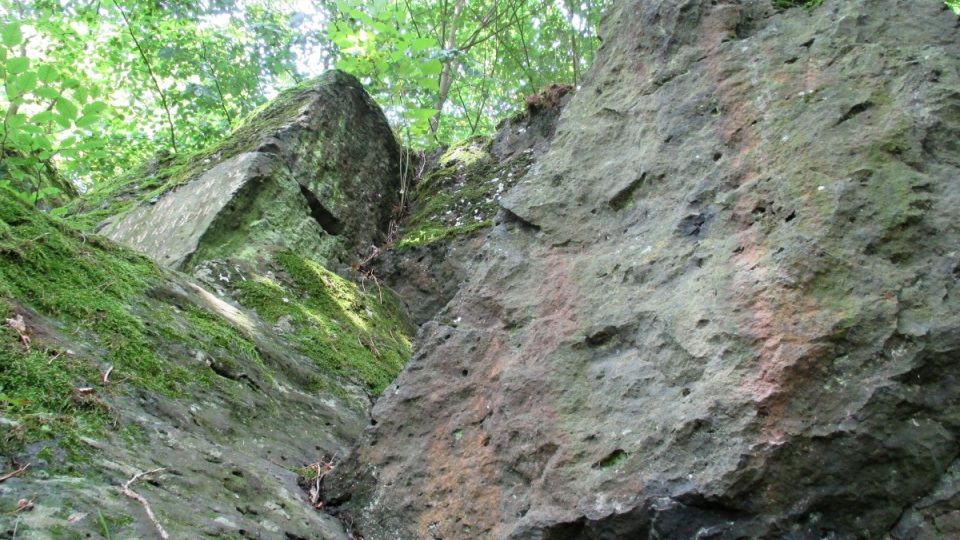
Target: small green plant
point(954, 5)
point(103, 525)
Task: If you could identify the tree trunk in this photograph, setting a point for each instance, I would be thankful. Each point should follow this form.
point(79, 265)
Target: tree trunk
point(446, 74)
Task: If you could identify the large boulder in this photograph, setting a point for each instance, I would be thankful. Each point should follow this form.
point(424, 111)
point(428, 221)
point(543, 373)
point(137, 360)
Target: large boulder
point(724, 305)
point(317, 171)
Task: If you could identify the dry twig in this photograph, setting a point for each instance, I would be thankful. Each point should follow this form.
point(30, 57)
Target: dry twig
point(106, 376)
point(143, 502)
point(323, 468)
point(17, 472)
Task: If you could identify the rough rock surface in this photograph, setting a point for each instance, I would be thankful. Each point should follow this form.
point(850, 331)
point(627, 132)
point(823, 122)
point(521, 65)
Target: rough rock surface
point(318, 173)
point(724, 304)
point(454, 204)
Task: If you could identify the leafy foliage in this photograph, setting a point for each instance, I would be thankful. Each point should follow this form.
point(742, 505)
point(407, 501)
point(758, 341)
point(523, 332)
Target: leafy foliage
point(96, 87)
point(47, 113)
point(93, 88)
point(446, 70)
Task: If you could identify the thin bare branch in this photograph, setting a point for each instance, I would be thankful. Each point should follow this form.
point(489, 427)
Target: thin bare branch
point(143, 502)
point(11, 474)
point(156, 85)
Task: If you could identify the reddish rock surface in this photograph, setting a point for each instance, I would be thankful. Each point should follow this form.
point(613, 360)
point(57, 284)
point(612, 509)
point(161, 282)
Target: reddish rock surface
point(723, 305)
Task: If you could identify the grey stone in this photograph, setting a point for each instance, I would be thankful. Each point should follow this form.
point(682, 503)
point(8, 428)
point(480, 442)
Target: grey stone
point(723, 305)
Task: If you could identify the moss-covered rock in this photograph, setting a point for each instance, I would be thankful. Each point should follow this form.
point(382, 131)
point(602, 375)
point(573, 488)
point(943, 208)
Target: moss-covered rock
point(461, 194)
point(315, 171)
point(456, 203)
point(725, 303)
point(111, 364)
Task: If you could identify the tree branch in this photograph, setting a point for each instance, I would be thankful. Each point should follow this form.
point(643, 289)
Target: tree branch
point(146, 62)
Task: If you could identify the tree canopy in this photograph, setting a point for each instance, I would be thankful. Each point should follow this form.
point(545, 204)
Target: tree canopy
point(90, 88)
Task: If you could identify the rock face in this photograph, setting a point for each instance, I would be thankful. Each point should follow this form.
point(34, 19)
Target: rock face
point(455, 202)
point(317, 172)
point(723, 305)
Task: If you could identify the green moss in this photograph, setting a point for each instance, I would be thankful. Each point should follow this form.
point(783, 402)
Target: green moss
point(431, 232)
point(37, 392)
point(351, 333)
point(82, 292)
point(614, 459)
point(108, 523)
point(461, 195)
point(210, 331)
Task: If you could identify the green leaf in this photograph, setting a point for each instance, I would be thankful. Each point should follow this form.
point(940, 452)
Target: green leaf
point(430, 84)
point(87, 120)
point(66, 107)
point(47, 92)
point(27, 81)
point(348, 65)
point(404, 68)
point(91, 144)
point(95, 107)
point(47, 73)
point(63, 121)
point(432, 67)
point(421, 114)
point(42, 117)
point(16, 120)
point(17, 65)
point(422, 44)
point(42, 142)
point(11, 34)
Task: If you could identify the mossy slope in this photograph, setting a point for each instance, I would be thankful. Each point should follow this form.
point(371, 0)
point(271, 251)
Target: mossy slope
point(292, 370)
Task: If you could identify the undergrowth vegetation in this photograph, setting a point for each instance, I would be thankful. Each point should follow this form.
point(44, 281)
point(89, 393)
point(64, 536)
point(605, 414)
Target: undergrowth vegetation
point(84, 321)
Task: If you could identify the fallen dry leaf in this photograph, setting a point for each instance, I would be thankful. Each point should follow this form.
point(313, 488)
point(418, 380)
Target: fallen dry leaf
point(18, 324)
point(24, 505)
point(76, 516)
